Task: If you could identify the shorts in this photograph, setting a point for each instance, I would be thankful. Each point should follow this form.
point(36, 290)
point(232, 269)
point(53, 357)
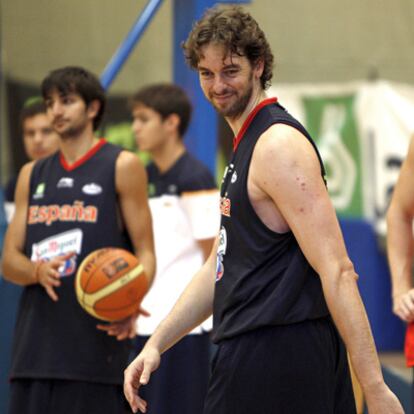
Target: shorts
point(179, 385)
point(292, 369)
point(33, 396)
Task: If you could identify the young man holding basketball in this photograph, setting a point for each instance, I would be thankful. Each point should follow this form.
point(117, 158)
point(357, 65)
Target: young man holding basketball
point(89, 195)
point(184, 203)
point(279, 278)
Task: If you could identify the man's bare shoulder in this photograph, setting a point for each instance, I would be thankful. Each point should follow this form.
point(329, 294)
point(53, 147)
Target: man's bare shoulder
point(25, 173)
point(129, 170)
point(128, 161)
point(282, 146)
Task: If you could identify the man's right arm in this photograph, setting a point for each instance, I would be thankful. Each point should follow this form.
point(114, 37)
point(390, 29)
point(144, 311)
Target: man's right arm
point(400, 244)
point(17, 267)
point(193, 307)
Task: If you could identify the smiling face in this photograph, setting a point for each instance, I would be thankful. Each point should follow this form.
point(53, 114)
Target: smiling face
point(228, 81)
point(68, 113)
point(40, 140)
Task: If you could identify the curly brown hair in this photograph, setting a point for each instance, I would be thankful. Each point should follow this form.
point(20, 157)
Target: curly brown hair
point(237, 31)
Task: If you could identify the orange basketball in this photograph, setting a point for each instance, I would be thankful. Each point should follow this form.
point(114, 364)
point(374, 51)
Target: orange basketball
point(110, 284)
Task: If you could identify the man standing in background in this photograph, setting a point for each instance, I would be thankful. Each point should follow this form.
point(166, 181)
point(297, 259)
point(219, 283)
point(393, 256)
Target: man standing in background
point(184, 203)
point(39, 141)
point(400, 248)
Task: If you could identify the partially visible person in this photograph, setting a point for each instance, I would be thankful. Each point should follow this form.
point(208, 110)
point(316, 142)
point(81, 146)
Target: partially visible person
point(400, 249)
point(184, 203)
point(87, 196)
point(279, 281)
point(39, 141)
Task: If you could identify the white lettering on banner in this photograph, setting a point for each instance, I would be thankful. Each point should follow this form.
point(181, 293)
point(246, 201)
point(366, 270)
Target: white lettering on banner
point(334, 153)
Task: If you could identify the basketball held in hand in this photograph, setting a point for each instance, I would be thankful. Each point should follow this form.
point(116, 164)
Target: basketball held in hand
point(110, 284)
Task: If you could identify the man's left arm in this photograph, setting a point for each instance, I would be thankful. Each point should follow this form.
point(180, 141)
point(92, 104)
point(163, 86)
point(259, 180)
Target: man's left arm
point(286, 169)
point(131, 186)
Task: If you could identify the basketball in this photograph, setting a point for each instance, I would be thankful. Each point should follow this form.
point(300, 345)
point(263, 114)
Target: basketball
point(110, 284)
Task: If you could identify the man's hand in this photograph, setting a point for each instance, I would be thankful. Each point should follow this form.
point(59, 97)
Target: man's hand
point(381, 400)
point(125, 328)
point(403, 305)
point(138, 373)
point(47, 274)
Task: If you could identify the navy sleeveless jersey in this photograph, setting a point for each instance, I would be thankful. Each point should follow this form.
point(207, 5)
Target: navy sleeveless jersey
point(263, 278)
point(70, 209)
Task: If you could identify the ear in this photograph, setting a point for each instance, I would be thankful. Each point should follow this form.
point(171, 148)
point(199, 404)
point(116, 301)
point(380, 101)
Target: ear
point(93, 108)
point(258, 68)
point(172, 122)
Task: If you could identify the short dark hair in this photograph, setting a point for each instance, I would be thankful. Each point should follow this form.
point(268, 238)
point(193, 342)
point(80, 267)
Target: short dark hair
point(74, 79)
point(30, 110)
point(166, 99)
point(237, 31)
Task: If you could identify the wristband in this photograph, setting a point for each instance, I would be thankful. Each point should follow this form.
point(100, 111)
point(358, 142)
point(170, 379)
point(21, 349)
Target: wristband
point(37, 270)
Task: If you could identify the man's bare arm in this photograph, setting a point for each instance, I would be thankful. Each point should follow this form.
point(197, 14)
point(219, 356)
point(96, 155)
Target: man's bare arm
point(286, 168)
point(193, 307)
point(131, 185)
point(400, 243)
point(17, 268)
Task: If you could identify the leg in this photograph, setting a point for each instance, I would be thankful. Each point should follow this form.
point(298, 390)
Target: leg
point(287, 369)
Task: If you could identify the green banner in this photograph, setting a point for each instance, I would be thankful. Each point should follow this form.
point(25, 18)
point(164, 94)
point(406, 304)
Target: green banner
point(331, 123)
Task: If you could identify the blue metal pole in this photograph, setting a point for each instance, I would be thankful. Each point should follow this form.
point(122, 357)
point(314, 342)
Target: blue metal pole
point(126, 47)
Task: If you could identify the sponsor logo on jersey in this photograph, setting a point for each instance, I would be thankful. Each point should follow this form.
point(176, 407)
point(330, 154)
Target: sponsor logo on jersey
point(65, 182)
point(76, 212)
point(172, 189)
point(234, 177)
point(221, 251)
point(225, 206)
point(151, 190)
point(59, 245)
point(40, 191)
point(68, 267)
point(92, 189)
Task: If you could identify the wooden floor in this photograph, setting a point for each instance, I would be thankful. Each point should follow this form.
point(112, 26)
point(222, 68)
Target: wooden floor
point(395, 362)
point(398, 377)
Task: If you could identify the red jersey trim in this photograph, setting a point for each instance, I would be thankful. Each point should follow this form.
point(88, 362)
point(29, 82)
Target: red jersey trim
point(249, 119)
point(84, 158)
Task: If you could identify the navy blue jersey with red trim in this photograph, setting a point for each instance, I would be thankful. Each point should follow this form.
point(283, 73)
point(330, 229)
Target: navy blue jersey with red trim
point(263, 278)
point(71, 208)
point(186, 175)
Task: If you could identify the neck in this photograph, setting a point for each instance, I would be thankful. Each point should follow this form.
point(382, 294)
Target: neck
point(167, 155)
point(75, 147)
point(236, 123)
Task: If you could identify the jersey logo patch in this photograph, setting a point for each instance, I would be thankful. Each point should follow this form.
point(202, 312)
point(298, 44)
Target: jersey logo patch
point(234, 177)
point(225, 206)
point(65, 182)
point(58, 245)
point(40, 191)
point(92, 189)
point(51, 213)
point(221, 251)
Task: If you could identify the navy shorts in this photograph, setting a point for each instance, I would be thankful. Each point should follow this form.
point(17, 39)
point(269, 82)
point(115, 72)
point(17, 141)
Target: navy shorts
point(293, 369)
point(179, 385)
point(32, 396)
